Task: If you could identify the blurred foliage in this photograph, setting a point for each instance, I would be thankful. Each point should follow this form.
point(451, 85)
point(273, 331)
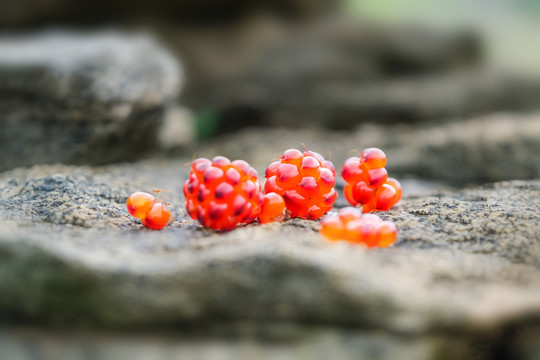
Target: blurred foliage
point(207, 123)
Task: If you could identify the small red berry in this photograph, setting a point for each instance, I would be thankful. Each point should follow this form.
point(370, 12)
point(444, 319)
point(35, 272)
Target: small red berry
point(306, 182)
point(221, 194)
point(396, 185)
point(139, 203)
point(385, 198)
point(374, 158)
point(158, 217)
point(153, 214)
point(350, 225)
point(272, 209)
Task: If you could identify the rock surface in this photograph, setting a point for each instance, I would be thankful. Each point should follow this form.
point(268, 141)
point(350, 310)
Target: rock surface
point(78, 98)
point(490, 148)
point(343, 103)
point(339, 73)
point(233, 342)
point(465, 262)
point(29, 13)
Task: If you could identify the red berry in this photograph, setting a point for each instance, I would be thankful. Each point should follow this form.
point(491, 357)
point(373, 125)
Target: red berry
point(377, 177)
point(157, 217)
point(386, 197)
point(396, 185)
point(306, 182)
point(139, 203)
point(272, 209)
point(367, 182)
point(350, 225)
point(154, 214)
point(354, 170)
point(221, 194)
point(374, 158)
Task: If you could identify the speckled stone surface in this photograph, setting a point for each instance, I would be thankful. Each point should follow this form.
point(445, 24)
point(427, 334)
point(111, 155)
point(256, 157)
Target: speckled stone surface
point(465, 261)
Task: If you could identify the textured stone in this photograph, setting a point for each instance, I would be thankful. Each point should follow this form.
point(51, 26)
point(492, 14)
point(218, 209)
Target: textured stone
point(69, 252)
point(490, 148)
point(229, 342)
point(343, 103)
point(79, 98)
point(338, 73)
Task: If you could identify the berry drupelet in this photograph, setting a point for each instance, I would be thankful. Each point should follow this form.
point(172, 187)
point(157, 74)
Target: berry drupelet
point(272, 209)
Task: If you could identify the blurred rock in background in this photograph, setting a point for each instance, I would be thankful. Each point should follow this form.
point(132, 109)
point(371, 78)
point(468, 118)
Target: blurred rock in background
point(82, 98)
point(289, 64)
point(31, 13)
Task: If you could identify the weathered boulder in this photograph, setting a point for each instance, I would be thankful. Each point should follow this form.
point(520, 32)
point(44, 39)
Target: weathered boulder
point(28, 13)
point(490, 148)
point(243, 341)
point(79, 98)
point(345, 103)
point(340, 72)
point(465, 262)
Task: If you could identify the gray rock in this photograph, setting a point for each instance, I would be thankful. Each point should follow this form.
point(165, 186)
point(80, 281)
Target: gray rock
point(496, 147)
point(345, 103)
point(465, 262)
point(79, 98)
point(28, 13)
point(228, 341)
point(337, 73)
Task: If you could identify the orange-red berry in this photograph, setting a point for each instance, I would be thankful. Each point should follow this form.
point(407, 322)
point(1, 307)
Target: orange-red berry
point(139, 203)
point(272, 209)
point(306, 182)
point(154, 214)
point(157, 217)
point(374, 158)
point(367, 182)
point(353, 226)
point(221, 194)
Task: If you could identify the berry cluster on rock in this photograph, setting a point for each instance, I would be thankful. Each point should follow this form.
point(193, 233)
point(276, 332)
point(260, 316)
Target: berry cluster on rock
point(306, 182)
point(353, 226)
point(221, 194)
point(367, 182)
point(153, 213)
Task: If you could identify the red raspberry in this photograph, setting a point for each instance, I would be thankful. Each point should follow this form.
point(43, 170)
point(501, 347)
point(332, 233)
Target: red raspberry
point(368, 184)
point(352, 226)
point(221, 194)
point(306, 182)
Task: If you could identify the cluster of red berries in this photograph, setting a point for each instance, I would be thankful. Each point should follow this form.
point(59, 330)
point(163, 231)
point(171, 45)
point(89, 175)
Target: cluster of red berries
point(368, 184)
point(353, 226)
point(153, 213)
point(306, 182)
point(221, 194)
